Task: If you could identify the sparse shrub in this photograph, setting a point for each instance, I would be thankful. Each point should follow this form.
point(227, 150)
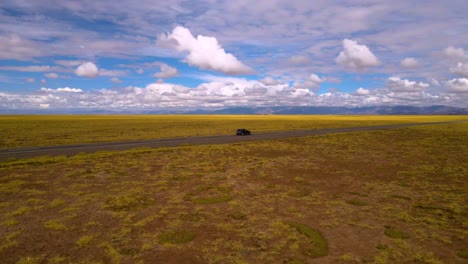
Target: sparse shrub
point(11, 186)
point(319, 246)
point(9, 241)
point(195, 217)
point(209, 195)
point(84, 241)
point(401, 197)
point(54, 225)
point(237, 216)
point(463, 254)
point(9, 222)
point(21, 211)
point(133, 200)
point(357, 202)
point(56, 202)
point(395, 233)
point(213, 200)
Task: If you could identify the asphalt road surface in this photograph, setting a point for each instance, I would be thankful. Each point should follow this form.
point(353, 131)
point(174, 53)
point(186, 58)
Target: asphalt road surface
point(68, 150)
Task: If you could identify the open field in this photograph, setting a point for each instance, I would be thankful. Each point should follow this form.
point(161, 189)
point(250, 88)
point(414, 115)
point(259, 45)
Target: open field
point(27, 131)
point(394, 196)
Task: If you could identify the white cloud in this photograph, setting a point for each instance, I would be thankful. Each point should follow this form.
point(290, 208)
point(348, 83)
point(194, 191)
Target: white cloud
point(362, 91)
point(461, 69)
point(43, 81)
point(270, 81)
point(221, 93)
point(398, 85)
point(116, 80)
point(69, 90)
point(313, 81)
point(140, 71)
point(64, 90)
point(44, 106)
point(204, 52)
point(355, 56)
point(87, 69)
point(166, 72)
point(456, 53)
point(457, 85)
point(51, 75)
point(409, 63)
point(31, 80)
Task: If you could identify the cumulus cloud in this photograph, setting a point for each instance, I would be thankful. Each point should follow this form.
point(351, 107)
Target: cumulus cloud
point(31, 80)
point(456, 53)
point(51, 75)
point(313, 81)
point(409, 63)
point(461, 69)
point(355, 56)
point(166, 71)
point(204, 52)
point(270, 81)
point(87, 69)
point(362, 91)
point(398, 85)
point(457, 85)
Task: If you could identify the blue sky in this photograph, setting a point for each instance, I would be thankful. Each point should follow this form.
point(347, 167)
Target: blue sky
point(187, 55)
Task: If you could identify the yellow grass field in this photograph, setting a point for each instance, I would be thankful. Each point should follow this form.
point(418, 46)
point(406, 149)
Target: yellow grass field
point(45, 130)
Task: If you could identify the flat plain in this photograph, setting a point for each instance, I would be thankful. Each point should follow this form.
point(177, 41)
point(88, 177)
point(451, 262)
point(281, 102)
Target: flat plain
point(393, 196)
point(47, 130)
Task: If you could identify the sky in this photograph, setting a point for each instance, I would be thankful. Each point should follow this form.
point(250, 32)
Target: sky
point(62, 55)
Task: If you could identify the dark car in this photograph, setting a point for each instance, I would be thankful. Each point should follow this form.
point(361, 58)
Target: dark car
point(242, 132)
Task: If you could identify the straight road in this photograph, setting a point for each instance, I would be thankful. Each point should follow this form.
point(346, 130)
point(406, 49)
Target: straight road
point(68, 150)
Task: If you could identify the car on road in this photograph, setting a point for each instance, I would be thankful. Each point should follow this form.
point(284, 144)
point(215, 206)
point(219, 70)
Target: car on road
point(242, 132)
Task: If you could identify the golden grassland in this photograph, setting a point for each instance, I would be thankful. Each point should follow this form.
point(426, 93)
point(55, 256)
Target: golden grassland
point(46, 130)
point(393, 196)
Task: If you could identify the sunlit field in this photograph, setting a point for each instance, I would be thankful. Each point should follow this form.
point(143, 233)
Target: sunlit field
point(393, 196)
point(24, 131)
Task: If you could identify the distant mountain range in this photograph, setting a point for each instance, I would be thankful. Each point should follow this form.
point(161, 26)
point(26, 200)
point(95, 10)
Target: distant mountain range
point(326, 110)
point(275, 110)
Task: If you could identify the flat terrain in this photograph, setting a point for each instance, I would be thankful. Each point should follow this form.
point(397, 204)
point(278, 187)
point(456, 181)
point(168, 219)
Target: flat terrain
point(390, 196)
point(28, 131)
point(28, 152)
